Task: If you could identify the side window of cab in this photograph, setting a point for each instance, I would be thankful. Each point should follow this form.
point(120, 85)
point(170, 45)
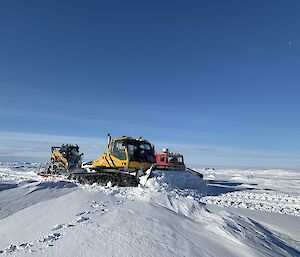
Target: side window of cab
point(119, 150)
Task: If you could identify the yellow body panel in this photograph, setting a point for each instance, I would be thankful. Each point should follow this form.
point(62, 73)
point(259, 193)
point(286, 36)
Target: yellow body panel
point(109, 161)
point(139, 165)
point(58, 156)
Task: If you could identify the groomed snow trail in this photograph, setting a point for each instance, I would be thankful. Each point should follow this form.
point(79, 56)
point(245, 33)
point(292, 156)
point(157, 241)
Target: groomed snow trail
point(263, 201)
point(263, 190)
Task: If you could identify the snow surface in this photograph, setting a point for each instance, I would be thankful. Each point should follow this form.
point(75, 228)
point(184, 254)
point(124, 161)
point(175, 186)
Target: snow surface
point(231, 212)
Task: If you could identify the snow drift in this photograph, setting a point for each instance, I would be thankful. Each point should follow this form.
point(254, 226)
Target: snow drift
point(174, 214)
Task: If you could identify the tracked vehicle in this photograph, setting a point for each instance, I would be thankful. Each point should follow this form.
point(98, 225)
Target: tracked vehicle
point(64, 159)
point(126, 162)
point(169, 161)
point(172, 161)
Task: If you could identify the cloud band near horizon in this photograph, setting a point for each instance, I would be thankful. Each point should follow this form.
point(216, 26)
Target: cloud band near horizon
point(16, 146)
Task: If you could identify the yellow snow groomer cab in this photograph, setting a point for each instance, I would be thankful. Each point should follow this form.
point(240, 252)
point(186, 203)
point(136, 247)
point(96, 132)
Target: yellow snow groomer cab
point(125, 154)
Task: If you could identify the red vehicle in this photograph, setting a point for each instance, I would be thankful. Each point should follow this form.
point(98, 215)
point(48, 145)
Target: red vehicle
point(169, 161)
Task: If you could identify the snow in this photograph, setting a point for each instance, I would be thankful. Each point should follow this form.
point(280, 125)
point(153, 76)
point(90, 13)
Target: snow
point(228, 213)
point(266, 190)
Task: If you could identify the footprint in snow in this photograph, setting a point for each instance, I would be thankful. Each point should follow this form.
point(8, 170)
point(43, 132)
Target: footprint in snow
point(94, 205)
point(58, 226)
point(104, 210)
point(119, 202)
point(25, 246)
point(50, 238)
point(9, 249)
point(12, 248)
point(82, 219)
point(82, 213)
point(102, 206)
point(104, 203)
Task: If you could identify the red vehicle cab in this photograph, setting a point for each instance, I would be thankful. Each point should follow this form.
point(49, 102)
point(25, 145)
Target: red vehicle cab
point(169, 161)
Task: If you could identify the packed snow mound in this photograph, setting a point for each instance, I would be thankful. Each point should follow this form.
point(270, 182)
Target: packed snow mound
point(172, 184)
point(176, 179)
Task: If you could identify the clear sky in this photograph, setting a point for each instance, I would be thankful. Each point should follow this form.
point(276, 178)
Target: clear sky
point(217, 80)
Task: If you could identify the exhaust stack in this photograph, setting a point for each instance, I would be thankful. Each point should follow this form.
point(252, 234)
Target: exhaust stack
point(108, 141)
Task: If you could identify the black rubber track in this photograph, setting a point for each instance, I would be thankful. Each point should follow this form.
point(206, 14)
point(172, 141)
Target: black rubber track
point(121, 179)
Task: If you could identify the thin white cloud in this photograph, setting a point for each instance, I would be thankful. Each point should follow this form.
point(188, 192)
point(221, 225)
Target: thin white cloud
point(46, 115)
point(30, 147)
point(27, 145)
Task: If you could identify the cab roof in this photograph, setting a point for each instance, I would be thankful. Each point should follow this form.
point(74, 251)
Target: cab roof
point(131, 138)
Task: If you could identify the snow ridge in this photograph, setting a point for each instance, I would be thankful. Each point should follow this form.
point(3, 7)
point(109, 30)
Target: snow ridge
point(172, 207)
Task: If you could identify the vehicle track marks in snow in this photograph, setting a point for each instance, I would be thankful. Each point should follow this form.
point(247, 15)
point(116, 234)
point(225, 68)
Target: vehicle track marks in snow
point(282, 203)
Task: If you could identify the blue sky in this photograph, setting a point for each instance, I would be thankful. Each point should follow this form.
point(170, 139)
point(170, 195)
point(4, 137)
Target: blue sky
point(217, 80)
